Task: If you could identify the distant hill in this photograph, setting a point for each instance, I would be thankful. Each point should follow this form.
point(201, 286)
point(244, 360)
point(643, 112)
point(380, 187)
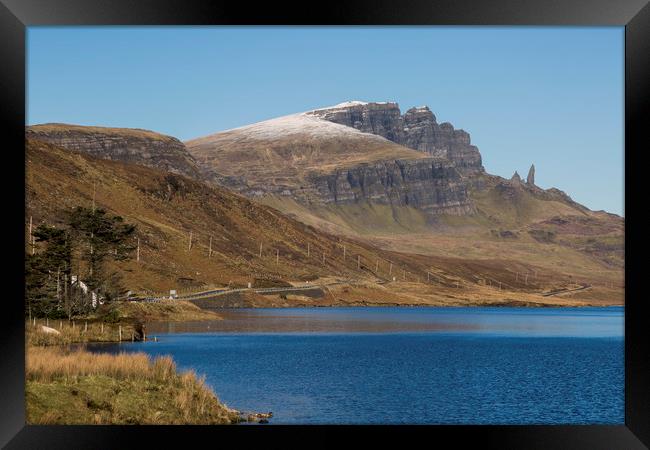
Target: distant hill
point(131, 145)
point(447, 236)
point(365, 169)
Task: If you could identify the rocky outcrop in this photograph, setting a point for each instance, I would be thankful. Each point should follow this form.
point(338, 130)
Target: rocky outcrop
point(432, 186)
point(530, 179)
point(515, 177)
point(383, 119)
point(129, 145)
point(416, 129)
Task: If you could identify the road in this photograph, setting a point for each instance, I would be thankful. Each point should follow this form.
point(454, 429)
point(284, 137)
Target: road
point(224, 291)
point(564, 291)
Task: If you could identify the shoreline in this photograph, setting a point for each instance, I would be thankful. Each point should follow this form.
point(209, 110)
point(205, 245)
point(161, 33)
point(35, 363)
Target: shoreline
point(47, 346)
point(505, 304)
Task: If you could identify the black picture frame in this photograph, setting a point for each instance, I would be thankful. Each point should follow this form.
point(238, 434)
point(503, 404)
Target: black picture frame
point(16, 15)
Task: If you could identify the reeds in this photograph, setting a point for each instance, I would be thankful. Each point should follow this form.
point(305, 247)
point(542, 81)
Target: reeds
point(157, 393)
point(47, 364)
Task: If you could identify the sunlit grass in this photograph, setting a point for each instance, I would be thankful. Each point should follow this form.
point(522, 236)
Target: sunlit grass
point(76, 386)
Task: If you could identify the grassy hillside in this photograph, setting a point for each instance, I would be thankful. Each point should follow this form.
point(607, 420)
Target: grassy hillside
point(167, 208)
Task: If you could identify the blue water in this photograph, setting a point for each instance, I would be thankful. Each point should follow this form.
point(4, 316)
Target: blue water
point(408, 365)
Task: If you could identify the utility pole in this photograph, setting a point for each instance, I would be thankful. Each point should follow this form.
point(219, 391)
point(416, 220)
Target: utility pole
point(58, 284)
point(30, 239)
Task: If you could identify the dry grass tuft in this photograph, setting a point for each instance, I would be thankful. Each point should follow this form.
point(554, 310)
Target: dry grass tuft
point(75, 387)
point(46, 364)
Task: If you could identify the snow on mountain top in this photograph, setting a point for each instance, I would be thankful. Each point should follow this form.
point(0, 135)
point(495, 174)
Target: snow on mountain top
point(349, 104)
point(295, 124)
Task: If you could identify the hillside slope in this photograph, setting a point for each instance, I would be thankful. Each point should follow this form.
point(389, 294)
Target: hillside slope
point(328, 166)
point(168, 207)
point(364, 169)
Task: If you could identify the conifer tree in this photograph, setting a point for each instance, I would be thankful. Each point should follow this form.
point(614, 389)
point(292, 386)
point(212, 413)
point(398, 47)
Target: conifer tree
point(89, 239)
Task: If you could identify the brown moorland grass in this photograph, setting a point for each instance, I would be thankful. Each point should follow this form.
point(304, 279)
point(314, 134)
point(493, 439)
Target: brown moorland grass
point(79, 387)
point(83, 331)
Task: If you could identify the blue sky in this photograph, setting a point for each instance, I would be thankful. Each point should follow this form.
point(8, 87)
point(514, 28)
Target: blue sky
point(545, 95)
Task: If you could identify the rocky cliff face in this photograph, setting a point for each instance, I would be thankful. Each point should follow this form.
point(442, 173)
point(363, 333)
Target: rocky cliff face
point(320, 162)
point(416, 129)
point(121, 144)
point(430, 185)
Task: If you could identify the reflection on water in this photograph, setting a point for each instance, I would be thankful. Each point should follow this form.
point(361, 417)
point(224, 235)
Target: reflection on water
point(580, 322)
